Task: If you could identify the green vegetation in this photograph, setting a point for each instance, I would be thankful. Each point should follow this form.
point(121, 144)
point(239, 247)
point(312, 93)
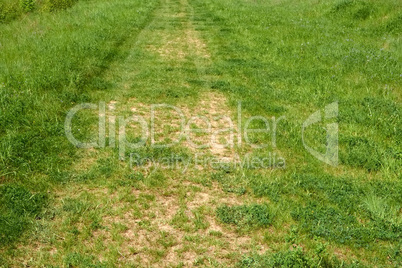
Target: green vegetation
point(14, 9)
point(295, 258)
point(47, 66)
point(252, 215)
point(18, 206)
point(64, 206)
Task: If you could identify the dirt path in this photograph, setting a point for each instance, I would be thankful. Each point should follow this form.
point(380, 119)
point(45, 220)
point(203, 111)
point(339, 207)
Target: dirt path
point(156, 217)
point(174, 70)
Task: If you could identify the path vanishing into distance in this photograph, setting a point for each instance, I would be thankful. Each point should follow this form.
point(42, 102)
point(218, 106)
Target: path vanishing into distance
point(185, 133)
point(159, 214)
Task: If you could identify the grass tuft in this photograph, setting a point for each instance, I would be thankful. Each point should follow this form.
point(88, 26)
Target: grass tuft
point(245, 216)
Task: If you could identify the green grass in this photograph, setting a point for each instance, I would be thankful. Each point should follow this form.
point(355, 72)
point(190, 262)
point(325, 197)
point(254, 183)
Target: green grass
point(47, 66)
point(37, 89)
point(18, 208)
point(295, 258)
point(290, 58)
point(71, 207)
point(13, 9)
point(246, 215)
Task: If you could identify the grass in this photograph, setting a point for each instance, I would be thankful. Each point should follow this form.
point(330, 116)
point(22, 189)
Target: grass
point(68, 207)
point(249, 216)
point(13, 9)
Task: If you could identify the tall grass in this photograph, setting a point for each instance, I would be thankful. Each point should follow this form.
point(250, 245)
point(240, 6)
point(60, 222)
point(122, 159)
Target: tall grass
point(14, 9)
point(48, 62)
point(279, 58)
point(294, 57)
point(291, 58)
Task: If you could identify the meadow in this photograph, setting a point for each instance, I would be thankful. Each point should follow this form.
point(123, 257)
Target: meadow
point(285, 60)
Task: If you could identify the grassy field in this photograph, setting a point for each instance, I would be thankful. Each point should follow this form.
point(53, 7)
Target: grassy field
point(213, 65)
